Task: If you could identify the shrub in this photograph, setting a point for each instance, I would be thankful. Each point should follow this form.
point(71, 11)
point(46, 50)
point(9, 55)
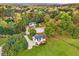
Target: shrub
point(53, 14)
point(74, 32)
point(66, 22)
point(1, 30)
point(50, 29)
point(32, 33)
point(9, 20)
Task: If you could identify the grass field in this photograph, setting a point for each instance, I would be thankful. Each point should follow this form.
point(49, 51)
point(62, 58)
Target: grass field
point(61, 47)
point(66, 47)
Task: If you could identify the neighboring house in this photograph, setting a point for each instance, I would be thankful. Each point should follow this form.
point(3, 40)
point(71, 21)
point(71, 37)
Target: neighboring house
point(32, 24)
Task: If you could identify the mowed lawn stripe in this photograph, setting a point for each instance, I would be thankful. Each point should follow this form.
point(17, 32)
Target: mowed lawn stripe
point(52, 48)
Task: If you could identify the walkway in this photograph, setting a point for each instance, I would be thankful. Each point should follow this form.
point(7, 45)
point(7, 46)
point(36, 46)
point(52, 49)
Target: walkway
point(30, 42)
point(0, 50)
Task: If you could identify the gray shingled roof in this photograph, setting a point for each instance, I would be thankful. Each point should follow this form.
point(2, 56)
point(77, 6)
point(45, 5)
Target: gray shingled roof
point(39, 36)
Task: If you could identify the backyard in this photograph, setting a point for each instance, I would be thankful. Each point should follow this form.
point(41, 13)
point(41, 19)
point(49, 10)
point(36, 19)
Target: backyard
point(54, 48)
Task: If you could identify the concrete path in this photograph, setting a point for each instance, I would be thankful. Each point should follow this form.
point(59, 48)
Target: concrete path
point(1, 47)
point(0, 50)
point(30, 42)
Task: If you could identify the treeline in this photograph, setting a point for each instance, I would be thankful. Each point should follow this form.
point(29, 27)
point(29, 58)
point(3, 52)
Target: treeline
point(55, 18)
point(65, 24)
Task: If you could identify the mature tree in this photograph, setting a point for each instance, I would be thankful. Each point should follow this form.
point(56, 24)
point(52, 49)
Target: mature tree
point(66, 21)
point(50, 26)
point(76, 17)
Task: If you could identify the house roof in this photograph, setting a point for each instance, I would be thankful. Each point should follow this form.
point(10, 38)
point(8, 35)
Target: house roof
point(39, 36)
point(32, 24)
point(39, 30)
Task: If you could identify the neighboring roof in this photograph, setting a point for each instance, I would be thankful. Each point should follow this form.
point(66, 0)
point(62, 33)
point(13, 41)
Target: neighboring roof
point(39, 30)
point(32, 24)
point(39, 36)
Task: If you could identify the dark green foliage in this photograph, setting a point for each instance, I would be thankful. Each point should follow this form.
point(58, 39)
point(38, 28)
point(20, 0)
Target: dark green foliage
point(66, 22)
point(10, 30)
point(50, 29)
point(53, 14)
point(67, 25)
point(9, 20)
point(1, 30)
point(74, 32)
point(14, 44)
point(6, 31)
point(39, 20)
point(32, 33)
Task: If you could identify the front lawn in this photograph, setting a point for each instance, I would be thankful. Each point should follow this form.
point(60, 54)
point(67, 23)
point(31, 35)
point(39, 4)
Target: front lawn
point(54, 48)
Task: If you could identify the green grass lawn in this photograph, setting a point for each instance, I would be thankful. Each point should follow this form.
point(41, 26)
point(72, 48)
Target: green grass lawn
point(54, 48)
point(62, 47)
